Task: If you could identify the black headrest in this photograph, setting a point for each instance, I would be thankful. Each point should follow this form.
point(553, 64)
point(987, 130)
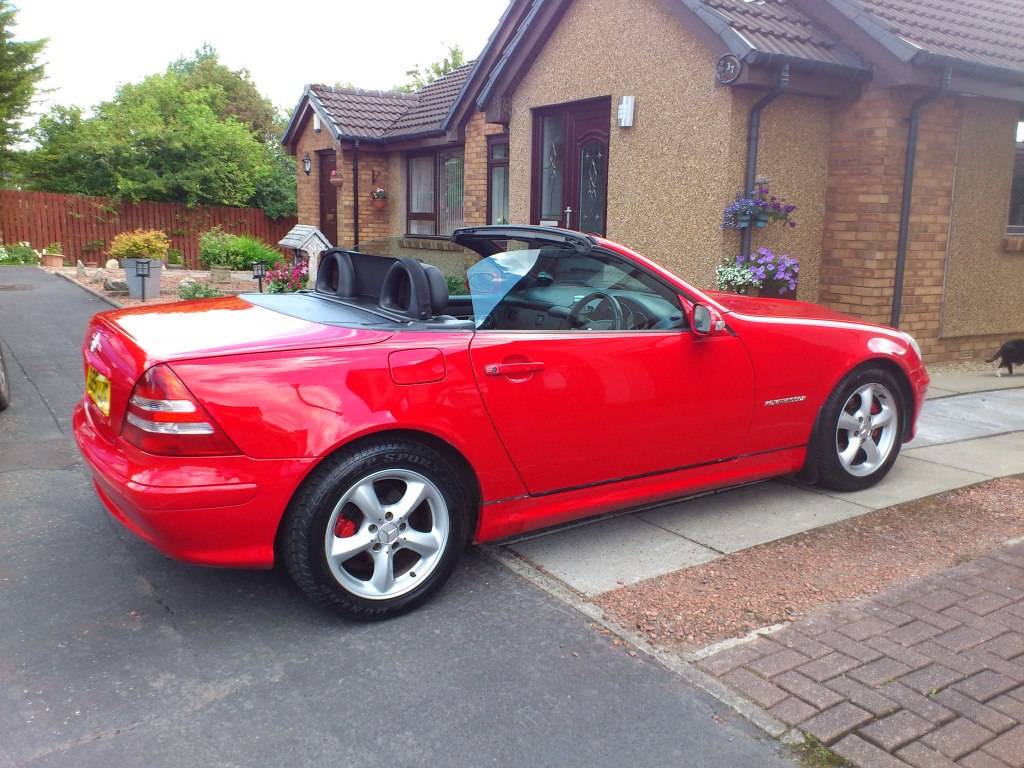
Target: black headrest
point(406, 289)
point(335, 274)
point(438, 289)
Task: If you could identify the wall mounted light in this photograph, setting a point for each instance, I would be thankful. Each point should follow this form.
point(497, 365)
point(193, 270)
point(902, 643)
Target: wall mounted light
point(307, 164)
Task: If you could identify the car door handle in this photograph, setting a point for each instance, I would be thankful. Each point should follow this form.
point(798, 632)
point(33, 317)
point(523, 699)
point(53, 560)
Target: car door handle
point(512, 369)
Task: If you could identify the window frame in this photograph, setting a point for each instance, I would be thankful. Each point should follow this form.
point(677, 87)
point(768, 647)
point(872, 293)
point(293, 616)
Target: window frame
point(435, 215)
point(498, 138)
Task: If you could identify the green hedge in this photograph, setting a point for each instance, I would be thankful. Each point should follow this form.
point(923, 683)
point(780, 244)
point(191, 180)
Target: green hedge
point(218, 248)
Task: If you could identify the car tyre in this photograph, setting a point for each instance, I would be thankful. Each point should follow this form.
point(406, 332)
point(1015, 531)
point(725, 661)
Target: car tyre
point(860, 430)
point(376, 530)
point(5, 384)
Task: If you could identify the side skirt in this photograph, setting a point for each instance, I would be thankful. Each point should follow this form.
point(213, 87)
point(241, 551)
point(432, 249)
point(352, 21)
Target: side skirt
point(501, 519)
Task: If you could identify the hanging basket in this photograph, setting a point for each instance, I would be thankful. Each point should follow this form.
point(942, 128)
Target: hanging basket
point(337, 181)
point(379, 203)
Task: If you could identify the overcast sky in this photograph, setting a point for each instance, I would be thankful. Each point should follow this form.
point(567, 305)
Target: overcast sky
point(97, 44)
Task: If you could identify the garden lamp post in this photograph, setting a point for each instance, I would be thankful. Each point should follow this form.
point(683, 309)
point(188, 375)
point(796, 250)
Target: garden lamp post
point(259, 271)
point(142, 272)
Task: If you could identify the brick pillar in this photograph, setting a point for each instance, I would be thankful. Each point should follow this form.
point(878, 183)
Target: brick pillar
point(475, 173)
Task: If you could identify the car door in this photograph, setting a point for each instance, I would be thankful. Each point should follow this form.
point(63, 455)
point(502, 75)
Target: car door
point(594, 400)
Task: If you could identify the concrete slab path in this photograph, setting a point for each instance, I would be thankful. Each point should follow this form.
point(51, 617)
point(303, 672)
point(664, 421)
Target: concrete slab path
point(963, 440)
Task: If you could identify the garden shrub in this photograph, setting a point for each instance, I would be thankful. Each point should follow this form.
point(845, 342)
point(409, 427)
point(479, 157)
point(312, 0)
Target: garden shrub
point(218, 248)
point(197, 291)
point(140, 244)
point(18, 253)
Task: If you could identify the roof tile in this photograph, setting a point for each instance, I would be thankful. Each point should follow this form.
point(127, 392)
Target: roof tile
point(387, 114)
point(989, 32)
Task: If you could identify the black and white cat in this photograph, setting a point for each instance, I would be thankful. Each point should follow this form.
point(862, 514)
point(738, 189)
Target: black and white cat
point(1009, 355)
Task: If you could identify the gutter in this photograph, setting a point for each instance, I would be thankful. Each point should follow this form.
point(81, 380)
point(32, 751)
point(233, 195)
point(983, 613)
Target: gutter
point(908, 191)
point(753, 138)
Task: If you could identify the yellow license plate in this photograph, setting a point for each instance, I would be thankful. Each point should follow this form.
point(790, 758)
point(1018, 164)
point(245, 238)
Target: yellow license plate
point(97, 386)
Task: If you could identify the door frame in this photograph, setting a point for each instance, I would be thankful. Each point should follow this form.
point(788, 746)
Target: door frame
point(585, 110)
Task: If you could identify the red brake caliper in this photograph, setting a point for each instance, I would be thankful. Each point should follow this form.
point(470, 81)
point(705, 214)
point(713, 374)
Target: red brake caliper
point(345, 528)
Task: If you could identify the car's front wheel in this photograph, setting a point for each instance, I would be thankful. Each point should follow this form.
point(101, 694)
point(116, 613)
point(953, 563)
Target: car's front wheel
point(375, 531)
point(860, 431)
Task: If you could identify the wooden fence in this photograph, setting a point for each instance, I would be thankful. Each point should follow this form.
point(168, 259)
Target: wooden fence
point(86, 226)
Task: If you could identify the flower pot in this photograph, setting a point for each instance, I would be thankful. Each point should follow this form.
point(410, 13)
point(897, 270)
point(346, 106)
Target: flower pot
point(336, 181)
point(135, 283)
point(220, 275)
point(53, 260)
point(761, 220)
point(742, 222)
point(379, 203)
point(772, 292)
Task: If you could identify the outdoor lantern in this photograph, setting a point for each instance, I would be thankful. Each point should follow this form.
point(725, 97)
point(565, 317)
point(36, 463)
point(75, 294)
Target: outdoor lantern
point(307, 164)
point(142, 272)
point(259, 271)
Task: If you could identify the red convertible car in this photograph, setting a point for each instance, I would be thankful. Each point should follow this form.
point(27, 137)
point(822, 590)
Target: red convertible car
point(362, 432)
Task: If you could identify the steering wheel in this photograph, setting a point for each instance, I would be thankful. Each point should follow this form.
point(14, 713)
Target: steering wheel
point(618, 322)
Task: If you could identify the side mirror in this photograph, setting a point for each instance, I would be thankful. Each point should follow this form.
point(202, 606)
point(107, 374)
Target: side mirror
point(707, 321)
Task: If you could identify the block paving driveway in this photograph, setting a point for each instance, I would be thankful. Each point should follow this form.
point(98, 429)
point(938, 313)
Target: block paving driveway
point(927, 674)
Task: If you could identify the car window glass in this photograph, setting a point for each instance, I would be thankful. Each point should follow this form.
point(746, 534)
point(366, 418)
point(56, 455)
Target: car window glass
point(562, 289)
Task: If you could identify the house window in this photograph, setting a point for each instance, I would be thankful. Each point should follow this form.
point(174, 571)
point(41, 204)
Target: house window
point(1017, 192)
point(435, 201)
point(497, 180)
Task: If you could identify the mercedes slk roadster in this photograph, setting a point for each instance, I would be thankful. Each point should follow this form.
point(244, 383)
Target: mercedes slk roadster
point(363, 432)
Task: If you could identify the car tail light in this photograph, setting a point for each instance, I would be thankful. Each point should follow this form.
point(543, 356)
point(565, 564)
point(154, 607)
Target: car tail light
point(164, 418)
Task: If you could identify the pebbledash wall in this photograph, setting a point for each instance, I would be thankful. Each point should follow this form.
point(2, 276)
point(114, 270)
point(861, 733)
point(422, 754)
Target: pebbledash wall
point(671, 174)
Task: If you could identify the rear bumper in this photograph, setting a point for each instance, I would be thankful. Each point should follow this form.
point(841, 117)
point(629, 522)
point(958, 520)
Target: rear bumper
point(221, 511)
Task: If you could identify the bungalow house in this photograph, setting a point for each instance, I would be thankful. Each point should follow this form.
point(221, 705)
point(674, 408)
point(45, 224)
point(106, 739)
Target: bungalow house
point(893, 125)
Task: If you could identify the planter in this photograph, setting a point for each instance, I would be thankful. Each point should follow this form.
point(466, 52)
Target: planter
point(742, 222)
point(336, 181)
point(761, 220)
point(53, 260)
point(379, 203)
point(135, 283)
point(769, 292)
point(220, 275)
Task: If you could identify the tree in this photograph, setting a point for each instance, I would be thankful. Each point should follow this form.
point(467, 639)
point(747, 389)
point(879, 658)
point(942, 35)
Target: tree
point(232, 92)
point(420, 77)
point(20, 71)
point(177, 136)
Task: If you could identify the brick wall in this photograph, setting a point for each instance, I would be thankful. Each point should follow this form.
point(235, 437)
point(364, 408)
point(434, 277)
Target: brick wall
point(863, 199)
point(475, 173)
point(373, 222)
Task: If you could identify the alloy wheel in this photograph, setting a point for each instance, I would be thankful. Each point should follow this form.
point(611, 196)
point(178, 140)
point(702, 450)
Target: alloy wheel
point(387, 534)
point(867, 429)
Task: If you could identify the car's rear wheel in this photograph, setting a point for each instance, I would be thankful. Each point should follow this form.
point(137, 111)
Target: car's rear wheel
point(860, 430)
point(5, 384)
point(375, 531)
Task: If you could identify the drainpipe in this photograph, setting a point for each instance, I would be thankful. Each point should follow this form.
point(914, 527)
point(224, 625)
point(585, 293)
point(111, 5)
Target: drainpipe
point(753, 136)
point(908, 191)
point(355, 193)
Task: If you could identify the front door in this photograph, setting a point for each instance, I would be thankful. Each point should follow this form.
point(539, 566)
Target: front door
point(328, 163)
point(590, 375)
point(570, 166)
